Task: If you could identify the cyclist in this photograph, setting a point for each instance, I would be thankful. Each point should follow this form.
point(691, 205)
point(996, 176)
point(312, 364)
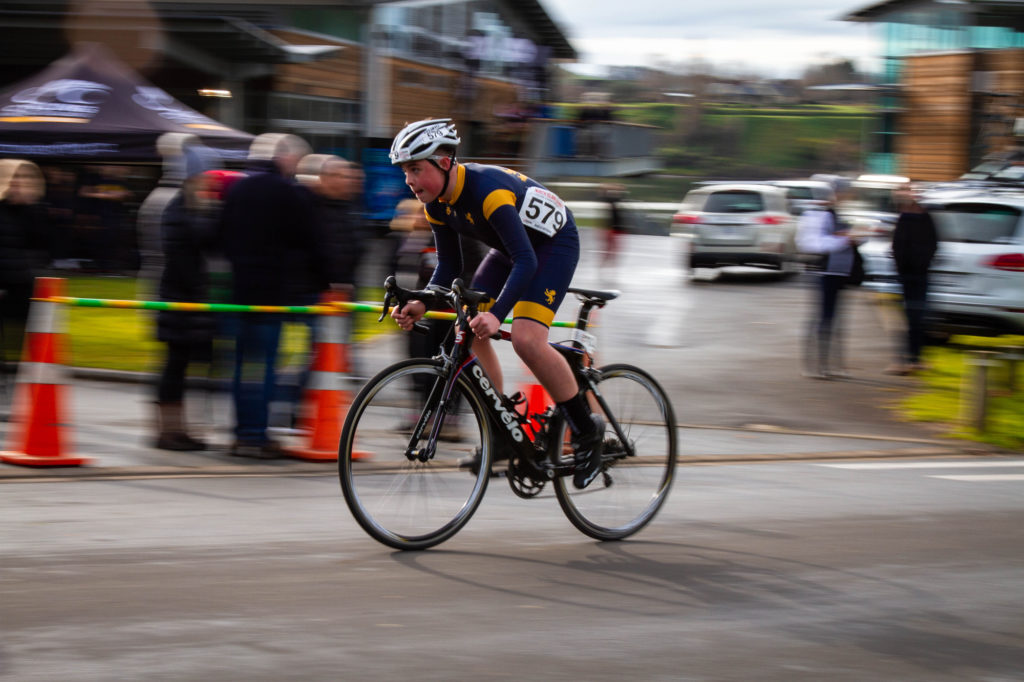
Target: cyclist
point(534, 248)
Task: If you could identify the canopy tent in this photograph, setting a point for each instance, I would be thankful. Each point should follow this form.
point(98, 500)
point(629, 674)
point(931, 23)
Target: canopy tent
point(89, 106)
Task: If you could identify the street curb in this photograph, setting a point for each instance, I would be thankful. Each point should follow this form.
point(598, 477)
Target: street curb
point(287, 468)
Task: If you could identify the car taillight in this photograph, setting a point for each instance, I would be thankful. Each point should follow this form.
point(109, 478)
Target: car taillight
point(1007, 261)
point(686, 219)
point(772, 220)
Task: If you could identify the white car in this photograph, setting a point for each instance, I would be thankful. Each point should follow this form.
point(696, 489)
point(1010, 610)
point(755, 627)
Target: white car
point(976, 283)
point(871, 210)
point(738, 224)
point(805, 194)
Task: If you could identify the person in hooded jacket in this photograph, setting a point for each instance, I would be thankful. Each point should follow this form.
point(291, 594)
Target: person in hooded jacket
point(188, 236)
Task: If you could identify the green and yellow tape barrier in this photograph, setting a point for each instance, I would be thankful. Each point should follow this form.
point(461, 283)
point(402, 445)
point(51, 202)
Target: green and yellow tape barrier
point(321, 309)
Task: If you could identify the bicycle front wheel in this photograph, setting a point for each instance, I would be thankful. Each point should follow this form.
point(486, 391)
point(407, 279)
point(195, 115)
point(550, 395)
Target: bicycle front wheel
point(639, 460)
point(399, 499)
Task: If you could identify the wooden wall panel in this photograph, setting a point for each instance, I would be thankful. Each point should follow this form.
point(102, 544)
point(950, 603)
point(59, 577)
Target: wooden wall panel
point(339, 76)
point(935, 122)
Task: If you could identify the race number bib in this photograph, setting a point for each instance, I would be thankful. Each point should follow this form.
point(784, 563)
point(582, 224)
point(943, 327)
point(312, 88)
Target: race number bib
point(543, 211)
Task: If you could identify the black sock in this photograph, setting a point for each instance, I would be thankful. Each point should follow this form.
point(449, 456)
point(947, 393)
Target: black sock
point(576, 412)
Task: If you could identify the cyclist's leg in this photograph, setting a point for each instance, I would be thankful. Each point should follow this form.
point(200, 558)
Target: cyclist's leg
point(530, 341)
point(534, 312)
point(556, 262)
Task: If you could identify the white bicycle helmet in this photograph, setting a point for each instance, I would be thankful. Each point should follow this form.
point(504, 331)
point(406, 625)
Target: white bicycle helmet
point(421, 139)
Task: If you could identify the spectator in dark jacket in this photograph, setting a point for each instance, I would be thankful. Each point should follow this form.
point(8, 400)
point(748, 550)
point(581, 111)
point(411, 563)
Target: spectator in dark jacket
point(267, 228)
point(188, 233)
point(24, 245)
point(914, 243)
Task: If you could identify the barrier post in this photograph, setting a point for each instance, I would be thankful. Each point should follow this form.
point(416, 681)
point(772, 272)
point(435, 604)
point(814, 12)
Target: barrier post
point(975, 394)
point(37, 436)
point(326, 400)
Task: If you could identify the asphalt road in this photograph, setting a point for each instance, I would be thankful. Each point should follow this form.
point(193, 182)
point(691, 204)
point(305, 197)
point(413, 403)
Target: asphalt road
point(904, 570)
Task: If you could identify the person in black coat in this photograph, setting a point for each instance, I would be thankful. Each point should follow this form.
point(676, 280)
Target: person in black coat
point(188, 234)
point(914, 243)
point(267, 228)
point(24, 246)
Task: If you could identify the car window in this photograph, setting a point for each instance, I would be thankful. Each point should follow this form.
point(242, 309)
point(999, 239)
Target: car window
point(799, 193)
point(876, 199)
point(734, 201)
point(1011, 173)
point(976, 223)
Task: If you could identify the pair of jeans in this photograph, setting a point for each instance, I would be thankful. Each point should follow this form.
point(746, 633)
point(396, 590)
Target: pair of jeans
point(256, 346)
point(823, 350)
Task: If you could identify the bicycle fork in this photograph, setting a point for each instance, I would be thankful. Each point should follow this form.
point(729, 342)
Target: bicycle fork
point(436, 406)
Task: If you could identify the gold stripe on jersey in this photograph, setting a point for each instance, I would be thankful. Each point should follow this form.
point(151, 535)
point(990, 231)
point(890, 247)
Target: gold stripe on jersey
point(430, 218)
point(533, 311)
point(497, 199)
point(460, 183)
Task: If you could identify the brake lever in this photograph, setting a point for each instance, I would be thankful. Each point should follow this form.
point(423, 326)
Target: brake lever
point(387, 307)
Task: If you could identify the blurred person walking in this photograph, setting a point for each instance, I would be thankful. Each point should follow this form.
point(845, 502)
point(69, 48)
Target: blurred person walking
point(822, 232)
point(612, 194)
point(24, 248)
point(267, 226)
point(914, 243)
point(188, 234)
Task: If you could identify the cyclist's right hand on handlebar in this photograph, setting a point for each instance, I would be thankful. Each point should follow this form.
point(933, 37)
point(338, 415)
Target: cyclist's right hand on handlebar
point(409, 314)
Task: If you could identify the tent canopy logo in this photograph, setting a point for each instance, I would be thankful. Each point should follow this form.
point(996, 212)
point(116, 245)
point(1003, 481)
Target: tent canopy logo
point(65, 100)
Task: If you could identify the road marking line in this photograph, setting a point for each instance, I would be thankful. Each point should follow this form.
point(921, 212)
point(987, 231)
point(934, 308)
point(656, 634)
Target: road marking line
point(925, 465)
point(982, 478)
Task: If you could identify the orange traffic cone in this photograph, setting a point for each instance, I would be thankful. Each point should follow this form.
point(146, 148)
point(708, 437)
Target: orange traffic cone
point(36, 437)
point(325, 401)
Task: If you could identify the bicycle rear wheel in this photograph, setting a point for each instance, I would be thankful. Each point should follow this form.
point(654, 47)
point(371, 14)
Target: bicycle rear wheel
point(399, 500)
point(637, 474)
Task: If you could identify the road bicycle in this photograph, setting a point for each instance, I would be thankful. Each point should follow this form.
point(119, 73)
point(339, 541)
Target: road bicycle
point(423, 437)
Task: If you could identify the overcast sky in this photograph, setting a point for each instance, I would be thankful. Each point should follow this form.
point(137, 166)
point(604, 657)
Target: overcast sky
point(775, 38)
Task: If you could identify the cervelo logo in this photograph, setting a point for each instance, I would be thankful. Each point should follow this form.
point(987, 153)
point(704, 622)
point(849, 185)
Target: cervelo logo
point(507, 418)
point(167, 107)
point(62, 98)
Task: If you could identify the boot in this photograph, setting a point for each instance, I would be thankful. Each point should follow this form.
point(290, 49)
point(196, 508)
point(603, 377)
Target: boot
point(171, 429)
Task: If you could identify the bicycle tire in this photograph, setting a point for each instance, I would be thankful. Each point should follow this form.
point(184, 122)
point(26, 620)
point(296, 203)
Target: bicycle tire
point(629, 491)
point(407, 504)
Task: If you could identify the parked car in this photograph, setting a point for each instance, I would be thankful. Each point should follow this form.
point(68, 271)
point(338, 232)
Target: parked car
point(805, 194)
point(738, 224)
point(871, 211)
point(977, 277)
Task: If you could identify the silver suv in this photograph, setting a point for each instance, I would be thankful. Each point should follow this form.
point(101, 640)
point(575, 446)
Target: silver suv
point(738, 224)
point(976, 283)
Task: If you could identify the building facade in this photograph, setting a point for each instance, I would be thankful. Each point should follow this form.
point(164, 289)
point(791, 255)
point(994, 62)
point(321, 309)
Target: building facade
point(342, 74)
point(952, 87)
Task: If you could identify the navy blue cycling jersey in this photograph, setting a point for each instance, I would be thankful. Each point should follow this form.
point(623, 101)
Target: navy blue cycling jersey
point(507, 211)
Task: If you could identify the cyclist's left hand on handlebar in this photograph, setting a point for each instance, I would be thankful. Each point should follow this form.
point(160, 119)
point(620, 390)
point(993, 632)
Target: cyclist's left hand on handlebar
point(409, 314)
point(484, 325)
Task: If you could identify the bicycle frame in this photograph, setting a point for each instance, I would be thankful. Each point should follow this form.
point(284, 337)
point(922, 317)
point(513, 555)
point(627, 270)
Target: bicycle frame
point(515, 432)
